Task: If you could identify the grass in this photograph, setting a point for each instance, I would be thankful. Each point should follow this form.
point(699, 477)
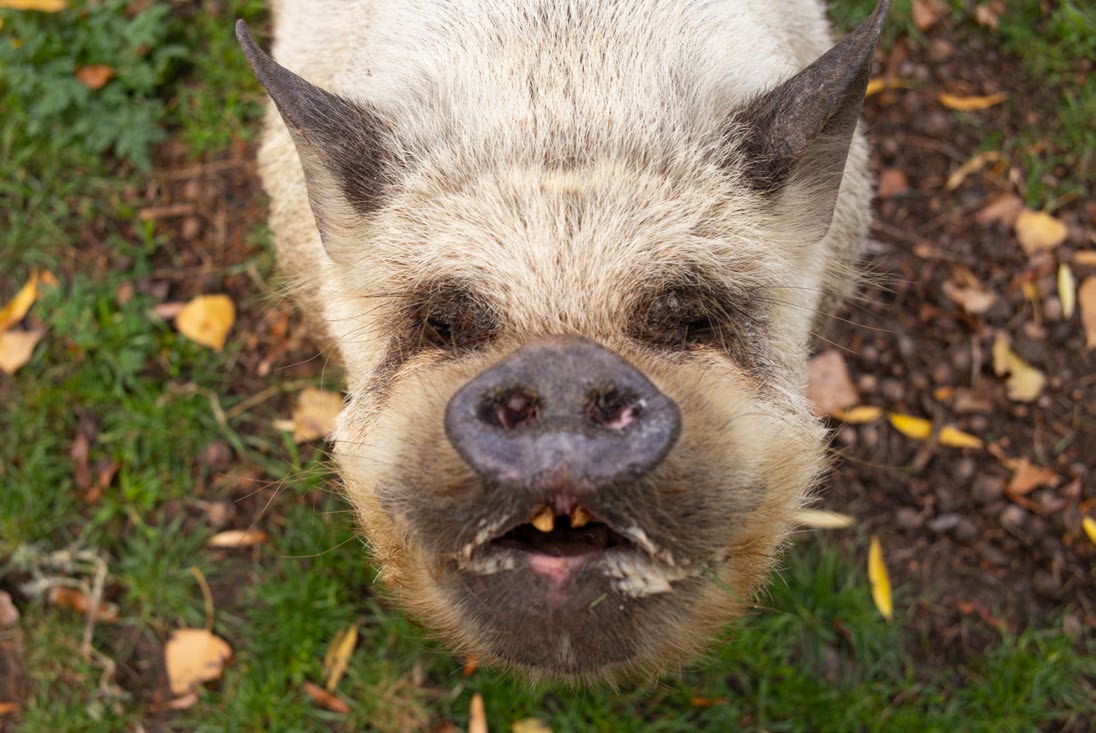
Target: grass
point(815, 657)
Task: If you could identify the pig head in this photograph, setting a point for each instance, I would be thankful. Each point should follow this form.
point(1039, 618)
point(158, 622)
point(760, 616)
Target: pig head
point(571, 256)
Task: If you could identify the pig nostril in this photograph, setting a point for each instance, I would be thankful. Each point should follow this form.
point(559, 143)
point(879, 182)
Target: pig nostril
point(613, 409)
point(512, 409)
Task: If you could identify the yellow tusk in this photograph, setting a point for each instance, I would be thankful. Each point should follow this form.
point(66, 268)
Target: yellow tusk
point(545, 519)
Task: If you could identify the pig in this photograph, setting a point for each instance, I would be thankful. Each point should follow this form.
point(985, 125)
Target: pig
point(571, 255)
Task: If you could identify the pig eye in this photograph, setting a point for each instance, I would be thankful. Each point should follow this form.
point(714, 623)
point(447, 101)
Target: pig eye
point(681, 318)
point(451, 320)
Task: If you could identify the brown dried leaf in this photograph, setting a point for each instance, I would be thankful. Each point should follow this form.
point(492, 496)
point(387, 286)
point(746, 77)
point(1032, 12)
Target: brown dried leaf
point(926, 13)
point(45, 6)
point(315, 413)
point(973, 298)
point(829, 387)
point(477, 716)
point(324, 699)
point(1086, 297)
point(1038, 230)
point(1086, 257)
point(976, 163)
point(1004, 209)
point(1027, 478)
point(75, 600)
point(892, 182)
point(970, 104)
point(95, 76)
point(1025, 383)
point(194, 656)
point(233, 538)
point(207, 319)
point(16, 348)
point(7, 708)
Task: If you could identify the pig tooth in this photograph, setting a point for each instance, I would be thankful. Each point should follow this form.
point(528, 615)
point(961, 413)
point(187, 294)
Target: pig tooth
point(545, 519)
point(579, 517)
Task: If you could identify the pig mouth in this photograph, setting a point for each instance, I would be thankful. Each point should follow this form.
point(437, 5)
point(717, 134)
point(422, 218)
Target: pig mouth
point(563, 540)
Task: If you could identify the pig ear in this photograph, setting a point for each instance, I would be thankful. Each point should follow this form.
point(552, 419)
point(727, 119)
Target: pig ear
point(804, 126)
point(341, 144)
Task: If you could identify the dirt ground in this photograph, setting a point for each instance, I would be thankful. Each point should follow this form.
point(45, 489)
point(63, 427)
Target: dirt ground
point(969, 554)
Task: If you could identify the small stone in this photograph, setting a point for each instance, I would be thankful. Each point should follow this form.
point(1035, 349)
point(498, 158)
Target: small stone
point(217, 456)
point(1012, 518)
point(965, 531)
point(964, 469)
point(988, 489)
point(893, 390)
point(943, 523)
point(220, 513)
point(908, 518)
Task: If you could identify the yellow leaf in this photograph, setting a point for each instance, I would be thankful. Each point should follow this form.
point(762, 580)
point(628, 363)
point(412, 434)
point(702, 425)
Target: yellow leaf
point(1086, 296)
point(207, 320)
point(1067, 290)
point(1090, 527)
point(976, 163)
point(46, 6)
point(970, 104)
point(338, 655)
point(16, 348)
point(14, 311)
point(821, 519)
point(194, 656)
point(880, 581)
point(917, 428)
point(955, 438)
point(530, 725)
point(1025, 383)
point(1038, 230)
point(233, 538)
point(477, 716)
point(880, 84)
point(858, 415)
point(315, 413)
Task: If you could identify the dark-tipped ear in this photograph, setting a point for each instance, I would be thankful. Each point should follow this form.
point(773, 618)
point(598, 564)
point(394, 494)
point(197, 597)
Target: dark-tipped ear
point(342, 145)
point(805, 125)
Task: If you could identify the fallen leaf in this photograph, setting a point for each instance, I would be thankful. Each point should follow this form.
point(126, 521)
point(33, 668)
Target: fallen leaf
point(707, 702)
point(973, 298)
point(194, 656)
point(95, 76)
point(829, 387)
point(471, 664)
point(970, 104)
point(858, 415)
point(6, 708)
point(892, 182)
point(1038, 230)
point(1089, 525)
point(880, 581)
point(9, 614)
point(338, 655)
point(976, 163)
point(315, 413)
point(1086, 257)
point(45, 6)
point(16, 348)
point(1025, 383)
point(882, 84)
point(1028, 477)
point(821, 519)
point(926, 13)
point(14, 311)
point(987, 14)
point(1067, 290)
point(207, 319)
point(75, 600)
point(233, 538)
point(324, 699)
point(1086, 296)
point(477, 716)
point(184, 702)
point(530, 725)
point(955, 438)
point(917, 428)
point(1004, 209)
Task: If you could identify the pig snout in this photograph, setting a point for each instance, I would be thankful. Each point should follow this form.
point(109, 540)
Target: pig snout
point(562, 412)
